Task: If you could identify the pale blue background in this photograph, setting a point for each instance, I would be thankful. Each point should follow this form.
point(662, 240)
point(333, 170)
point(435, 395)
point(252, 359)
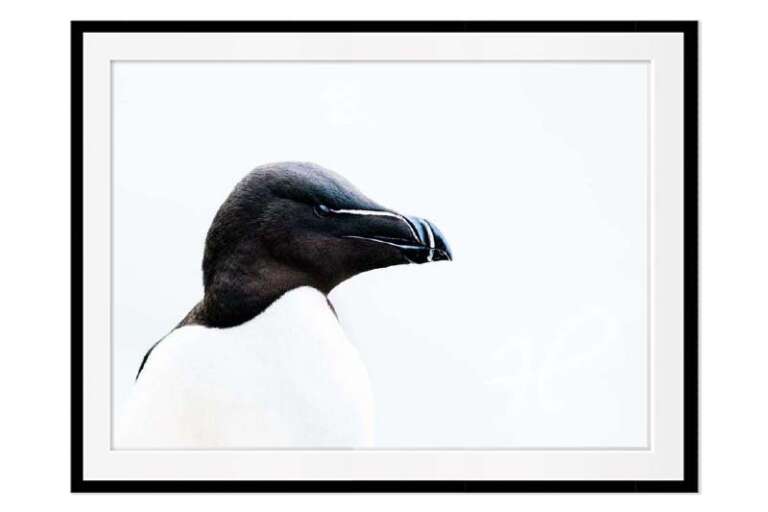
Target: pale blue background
point(535, 172)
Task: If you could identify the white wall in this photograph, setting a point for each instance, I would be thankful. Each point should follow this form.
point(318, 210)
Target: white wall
point(535, 173)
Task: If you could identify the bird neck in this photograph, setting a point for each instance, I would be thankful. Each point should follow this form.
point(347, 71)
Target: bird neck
point(237, 296)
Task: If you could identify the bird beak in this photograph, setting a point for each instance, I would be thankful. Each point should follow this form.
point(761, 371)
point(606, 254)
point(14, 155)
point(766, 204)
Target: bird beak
point(421, 243)
point(433, 245)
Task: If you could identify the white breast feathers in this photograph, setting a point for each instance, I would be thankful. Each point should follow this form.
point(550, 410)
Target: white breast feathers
point(287, 378)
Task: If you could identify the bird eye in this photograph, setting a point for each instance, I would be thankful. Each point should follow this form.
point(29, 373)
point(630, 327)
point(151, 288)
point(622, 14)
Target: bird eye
point(322, 211)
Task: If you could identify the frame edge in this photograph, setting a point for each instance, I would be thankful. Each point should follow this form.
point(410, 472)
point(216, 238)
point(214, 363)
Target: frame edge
point(690, 481)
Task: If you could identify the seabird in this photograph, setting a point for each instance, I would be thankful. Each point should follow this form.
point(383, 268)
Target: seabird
point(261, 360)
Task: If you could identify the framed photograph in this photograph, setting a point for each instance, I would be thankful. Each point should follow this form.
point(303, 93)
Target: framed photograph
point(384, 256)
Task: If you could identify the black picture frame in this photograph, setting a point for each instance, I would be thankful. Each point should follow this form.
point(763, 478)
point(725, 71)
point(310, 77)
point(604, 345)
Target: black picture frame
point(690, 481)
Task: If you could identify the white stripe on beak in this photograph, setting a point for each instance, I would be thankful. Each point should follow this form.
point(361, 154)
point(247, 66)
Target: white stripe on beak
point(380, 213)
point(399, 246)
point(431, 236)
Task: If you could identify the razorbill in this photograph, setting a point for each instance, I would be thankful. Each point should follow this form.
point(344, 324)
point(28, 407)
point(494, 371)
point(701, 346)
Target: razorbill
point(261, 360)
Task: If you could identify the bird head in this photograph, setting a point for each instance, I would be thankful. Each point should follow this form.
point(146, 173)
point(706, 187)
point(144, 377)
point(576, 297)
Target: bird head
point(295, 224)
